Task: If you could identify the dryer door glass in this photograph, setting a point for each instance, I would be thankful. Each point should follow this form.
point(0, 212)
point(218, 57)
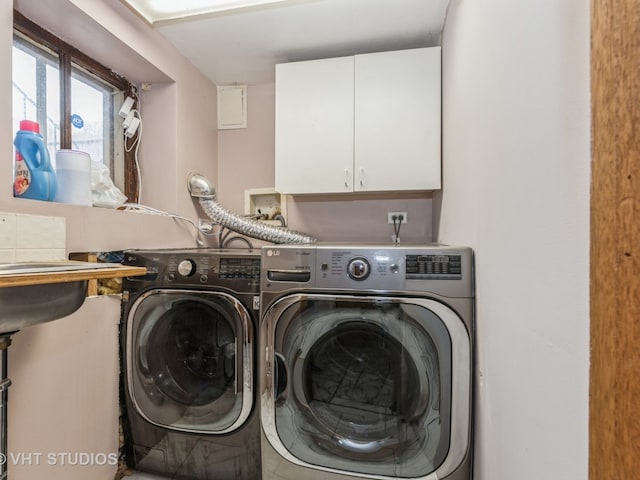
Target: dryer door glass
point(187, 359)
point(364, 385)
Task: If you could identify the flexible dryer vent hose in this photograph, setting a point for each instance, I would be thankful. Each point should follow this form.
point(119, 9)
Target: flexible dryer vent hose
point(201, 188)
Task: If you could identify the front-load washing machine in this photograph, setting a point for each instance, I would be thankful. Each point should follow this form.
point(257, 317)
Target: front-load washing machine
point(366, 362)
point(188, 355)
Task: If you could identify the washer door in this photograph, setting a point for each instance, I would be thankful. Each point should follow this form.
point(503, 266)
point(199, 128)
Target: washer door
point(189, 360)
point(367, 385)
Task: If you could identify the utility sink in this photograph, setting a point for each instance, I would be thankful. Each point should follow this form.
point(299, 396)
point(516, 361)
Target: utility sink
point(37, 292)
point(28, 305)
point(47, 267)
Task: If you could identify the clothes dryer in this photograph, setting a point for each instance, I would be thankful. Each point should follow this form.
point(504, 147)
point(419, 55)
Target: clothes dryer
point(188, 358)
point(366, 362)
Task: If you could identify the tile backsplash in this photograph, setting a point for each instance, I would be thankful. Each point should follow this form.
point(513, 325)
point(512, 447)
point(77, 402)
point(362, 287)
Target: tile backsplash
point(31, 237)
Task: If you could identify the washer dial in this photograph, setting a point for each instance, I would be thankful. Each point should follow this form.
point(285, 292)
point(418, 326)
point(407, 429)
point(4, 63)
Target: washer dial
point(358, 268)
point(186, 268)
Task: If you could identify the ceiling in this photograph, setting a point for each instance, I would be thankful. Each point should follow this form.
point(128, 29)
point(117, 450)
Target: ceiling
point(243, 47)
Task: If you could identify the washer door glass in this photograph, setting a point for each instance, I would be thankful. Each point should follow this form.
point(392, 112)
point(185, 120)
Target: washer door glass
point(362, 385)
point(189, 368)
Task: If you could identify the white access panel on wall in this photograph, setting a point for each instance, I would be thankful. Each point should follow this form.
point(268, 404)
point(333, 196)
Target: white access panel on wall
point(398, 116)
point(314, 126)
point(232, 107)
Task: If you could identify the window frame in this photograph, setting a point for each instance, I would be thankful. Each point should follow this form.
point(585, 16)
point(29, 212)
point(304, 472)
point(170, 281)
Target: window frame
point(68, 55)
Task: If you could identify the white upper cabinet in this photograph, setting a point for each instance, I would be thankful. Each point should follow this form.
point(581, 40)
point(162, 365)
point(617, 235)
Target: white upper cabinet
point(314, 126)
point(364, 123)
point(397, 120)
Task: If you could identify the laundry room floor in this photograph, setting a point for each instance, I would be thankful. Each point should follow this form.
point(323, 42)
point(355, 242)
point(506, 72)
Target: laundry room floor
point(143, 476)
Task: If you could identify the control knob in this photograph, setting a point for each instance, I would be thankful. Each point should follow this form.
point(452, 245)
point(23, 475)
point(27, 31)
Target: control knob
point(358, 268)
point(186, 268)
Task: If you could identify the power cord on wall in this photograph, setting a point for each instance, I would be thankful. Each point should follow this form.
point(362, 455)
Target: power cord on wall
point(138, 208)
point(136, 144)
point(131, 111)
point(397, 224)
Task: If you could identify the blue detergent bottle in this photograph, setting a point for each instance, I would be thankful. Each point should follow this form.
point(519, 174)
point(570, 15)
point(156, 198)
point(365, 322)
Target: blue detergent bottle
point(34, 175)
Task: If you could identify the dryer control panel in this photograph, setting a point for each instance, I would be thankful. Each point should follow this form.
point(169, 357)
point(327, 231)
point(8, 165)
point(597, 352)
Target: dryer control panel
point(237, 270)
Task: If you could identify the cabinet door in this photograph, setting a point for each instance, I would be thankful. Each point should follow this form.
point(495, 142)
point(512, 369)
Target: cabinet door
point(314, 126)
point(397, 120)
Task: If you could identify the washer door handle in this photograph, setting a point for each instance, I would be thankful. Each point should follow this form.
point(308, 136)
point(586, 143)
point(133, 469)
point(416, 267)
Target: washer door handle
point(280, 377)
point(230, 365)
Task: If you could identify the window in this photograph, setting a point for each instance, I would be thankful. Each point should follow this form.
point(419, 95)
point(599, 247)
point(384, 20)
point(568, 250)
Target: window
point(74, 99)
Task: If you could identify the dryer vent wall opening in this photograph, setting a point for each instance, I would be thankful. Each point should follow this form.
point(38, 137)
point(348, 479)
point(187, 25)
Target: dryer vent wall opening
point(251, 228)
point(200, 188)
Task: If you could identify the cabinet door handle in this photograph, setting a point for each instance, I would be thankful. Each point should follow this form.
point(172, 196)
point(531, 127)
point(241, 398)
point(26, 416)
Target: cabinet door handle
point(361, 177)
point(346, 178)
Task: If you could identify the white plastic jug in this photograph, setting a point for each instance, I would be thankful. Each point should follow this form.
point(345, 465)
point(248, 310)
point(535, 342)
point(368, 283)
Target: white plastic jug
point(73, 170)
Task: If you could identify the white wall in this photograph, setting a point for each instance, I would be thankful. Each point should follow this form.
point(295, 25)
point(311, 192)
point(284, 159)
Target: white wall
point(516, 188)
point(246, 155)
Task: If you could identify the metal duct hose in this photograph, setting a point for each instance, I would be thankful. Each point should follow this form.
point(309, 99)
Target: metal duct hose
point(201, 188)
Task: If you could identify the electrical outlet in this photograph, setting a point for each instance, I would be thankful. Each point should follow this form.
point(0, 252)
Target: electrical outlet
point(205, 225)
point(130, 131)
point(127, 105)
point(405, 217)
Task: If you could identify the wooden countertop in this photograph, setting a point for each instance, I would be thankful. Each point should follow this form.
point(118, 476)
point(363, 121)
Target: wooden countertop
point(23, 279)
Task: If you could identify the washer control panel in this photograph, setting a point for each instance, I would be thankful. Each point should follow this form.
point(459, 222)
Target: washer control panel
point(436, 268)
point(358, 268)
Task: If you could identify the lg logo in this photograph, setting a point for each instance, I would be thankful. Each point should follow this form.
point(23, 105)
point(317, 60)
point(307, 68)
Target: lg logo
point(273, 253)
